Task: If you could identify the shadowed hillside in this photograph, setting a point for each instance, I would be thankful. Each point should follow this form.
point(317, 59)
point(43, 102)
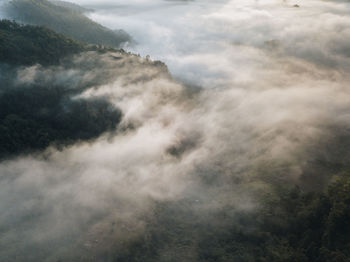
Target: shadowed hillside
point(43, 73)
point(65, 20)
point(27, 45)
point(35, 115)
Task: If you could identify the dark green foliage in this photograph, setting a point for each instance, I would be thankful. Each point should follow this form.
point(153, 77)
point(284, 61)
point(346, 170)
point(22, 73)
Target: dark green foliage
point(71, 6)
point(33, 118)
point(65, 20)
point(27, 45)
point(295, 227)
point(316, 225)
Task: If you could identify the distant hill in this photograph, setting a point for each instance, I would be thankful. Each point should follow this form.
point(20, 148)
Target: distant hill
point(72, 6)
point(66, 19)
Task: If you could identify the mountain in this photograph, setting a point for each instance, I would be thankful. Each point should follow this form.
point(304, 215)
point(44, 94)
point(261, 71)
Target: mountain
point(42, 75)
point(27, 45)
point(38, 113)
point(71, 6)
point(65, 19)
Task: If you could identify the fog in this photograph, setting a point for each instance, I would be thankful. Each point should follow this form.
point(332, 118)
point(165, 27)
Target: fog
point(259, 91)
point(202, 41)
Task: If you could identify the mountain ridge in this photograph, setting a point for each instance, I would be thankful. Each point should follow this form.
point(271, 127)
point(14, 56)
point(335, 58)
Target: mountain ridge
point(65, 20)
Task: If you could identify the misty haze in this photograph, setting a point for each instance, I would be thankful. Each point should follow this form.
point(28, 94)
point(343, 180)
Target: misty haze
point(174, 131)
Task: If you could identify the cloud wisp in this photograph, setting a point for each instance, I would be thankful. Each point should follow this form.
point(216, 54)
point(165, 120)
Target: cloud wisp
point(263, 95)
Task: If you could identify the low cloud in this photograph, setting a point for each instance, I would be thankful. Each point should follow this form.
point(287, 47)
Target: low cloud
point(262, 96)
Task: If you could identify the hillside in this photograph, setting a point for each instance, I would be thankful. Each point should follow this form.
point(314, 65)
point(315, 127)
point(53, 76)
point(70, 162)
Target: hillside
point(291, 226)
point(27, 45)
point(33, 115)
point(65, 20)
point(72, 6)
point(43, 73)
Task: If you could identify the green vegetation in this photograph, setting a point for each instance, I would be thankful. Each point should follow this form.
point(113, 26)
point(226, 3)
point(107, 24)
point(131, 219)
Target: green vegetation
point(72, 6)
point(295, 227)
point(65, 20)
point(27, 45)
point(34, 116)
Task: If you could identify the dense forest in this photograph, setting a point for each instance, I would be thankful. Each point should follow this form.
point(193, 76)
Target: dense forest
point(65, 19)
point(293, 226)
point(292, 223)
point(33, 116)
point(42, 45)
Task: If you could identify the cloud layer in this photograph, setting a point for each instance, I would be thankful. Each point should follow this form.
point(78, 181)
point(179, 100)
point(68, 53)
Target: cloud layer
point(262, 95)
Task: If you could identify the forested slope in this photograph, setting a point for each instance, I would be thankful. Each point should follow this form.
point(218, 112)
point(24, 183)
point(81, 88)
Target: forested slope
point(291, 226)
point(34, 115)
point(27, 45)
point(65, 20)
